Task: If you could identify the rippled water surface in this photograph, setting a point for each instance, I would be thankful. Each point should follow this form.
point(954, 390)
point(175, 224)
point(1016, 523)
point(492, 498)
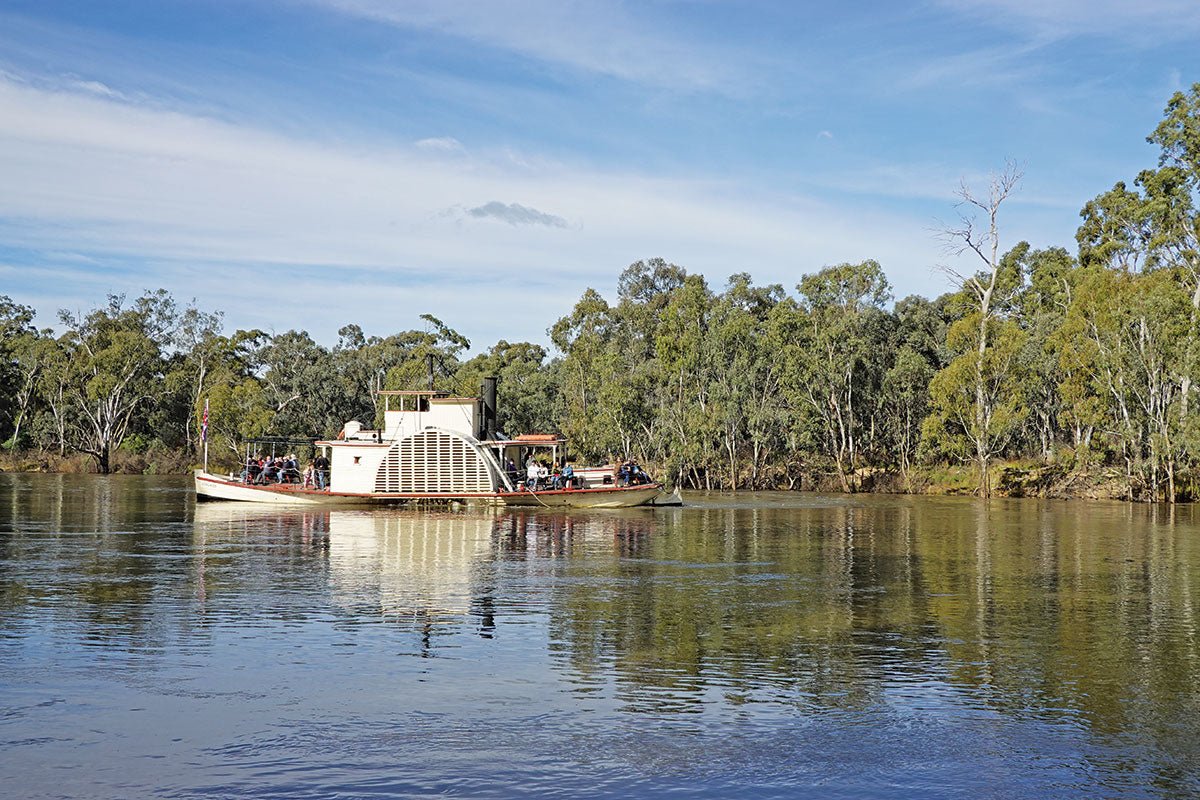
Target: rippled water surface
point(777, 645)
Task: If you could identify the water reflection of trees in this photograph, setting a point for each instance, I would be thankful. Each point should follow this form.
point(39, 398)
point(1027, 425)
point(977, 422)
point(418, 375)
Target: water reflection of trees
point(1030, 609)
point(1084, 613)
point(755, 604)
point(81, 546)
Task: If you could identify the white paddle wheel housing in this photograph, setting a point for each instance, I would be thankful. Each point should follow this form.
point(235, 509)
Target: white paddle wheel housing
point(435, 461)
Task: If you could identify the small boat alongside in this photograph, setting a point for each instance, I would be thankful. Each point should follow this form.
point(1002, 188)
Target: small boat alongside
point(435, 448)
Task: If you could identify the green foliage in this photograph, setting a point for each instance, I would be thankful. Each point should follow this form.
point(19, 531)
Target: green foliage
point(1087, 361)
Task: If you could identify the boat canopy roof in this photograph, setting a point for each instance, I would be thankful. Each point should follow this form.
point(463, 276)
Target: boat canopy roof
point(412, 392)
point(531, 440)
point(282, 440)
point(279, 444)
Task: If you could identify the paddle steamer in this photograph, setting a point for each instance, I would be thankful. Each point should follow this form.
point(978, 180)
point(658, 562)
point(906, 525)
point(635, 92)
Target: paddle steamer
point(434, 447)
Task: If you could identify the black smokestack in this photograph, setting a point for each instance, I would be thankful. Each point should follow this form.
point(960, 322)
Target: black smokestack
point(489, 408)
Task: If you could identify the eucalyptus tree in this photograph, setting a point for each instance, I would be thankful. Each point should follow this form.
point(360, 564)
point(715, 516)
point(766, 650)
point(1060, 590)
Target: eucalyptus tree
point(421, 359)
point(583, 337)
point(239, 409)
point(837, 376)
point(113, 370)
point(20, 365)
point(985, 340)
point(643, 290)
point(1173, 200)
point(918, 350)
point(361, 365)
point(1041, 304)
point(1135, 329)
point(606, 377)
point(683, 353)
point(295, 373)
point(905, 400)
point(361, 368)
point(1147, 351)
point(527, 385)
point(202, 361)
point(745, 374)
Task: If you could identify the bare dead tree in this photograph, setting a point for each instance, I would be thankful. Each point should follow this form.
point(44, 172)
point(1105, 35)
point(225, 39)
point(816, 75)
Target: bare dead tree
point(971, 235)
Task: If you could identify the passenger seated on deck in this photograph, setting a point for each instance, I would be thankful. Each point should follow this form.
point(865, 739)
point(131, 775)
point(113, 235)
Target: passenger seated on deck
point(308, 476)
point(270, 472)
point(291, 470)
point(623, 474)
point(532, 470)
point(568, 476)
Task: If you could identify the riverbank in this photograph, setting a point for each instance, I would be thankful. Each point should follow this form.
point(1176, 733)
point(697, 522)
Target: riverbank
point(152, 461)
point(1010, 479)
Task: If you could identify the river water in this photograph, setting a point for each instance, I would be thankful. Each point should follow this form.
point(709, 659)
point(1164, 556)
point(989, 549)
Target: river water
point(769, 645)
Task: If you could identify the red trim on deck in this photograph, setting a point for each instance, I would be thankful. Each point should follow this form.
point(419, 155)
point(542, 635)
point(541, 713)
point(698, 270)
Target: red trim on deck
point(287, 489)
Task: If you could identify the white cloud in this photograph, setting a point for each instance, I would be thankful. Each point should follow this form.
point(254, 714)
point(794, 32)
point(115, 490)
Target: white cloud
point(516, 214)
point(442, 144)
point(314, 235)
point(97, 88)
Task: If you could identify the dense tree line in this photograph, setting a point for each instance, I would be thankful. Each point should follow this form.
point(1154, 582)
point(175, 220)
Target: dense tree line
point(1084, 360)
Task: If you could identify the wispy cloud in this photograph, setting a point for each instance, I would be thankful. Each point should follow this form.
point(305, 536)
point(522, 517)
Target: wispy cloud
point(97, 88)
point(1007, 64)
point(441, 144)
point(516, 214)
point(592, 35)
point(266, 225)
point(1115, 19)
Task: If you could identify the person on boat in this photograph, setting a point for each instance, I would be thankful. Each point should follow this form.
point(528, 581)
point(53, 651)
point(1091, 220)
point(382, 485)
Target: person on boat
point(623, 474)
point(308, 475)
point(510, 469)
point(250, 470)
point(568, 476)
point(532, 472)
point(321, 467)
point(637, 475)
point(291, 469)
point(556, 478)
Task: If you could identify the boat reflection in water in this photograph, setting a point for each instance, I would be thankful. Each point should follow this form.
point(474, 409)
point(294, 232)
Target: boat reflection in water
point(415, 567)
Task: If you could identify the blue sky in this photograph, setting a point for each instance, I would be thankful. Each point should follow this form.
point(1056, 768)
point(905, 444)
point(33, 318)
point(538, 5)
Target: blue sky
point(310, 163)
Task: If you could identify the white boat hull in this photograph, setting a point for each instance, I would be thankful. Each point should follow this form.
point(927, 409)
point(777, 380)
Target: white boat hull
point(216, 487)
point(601, 497)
